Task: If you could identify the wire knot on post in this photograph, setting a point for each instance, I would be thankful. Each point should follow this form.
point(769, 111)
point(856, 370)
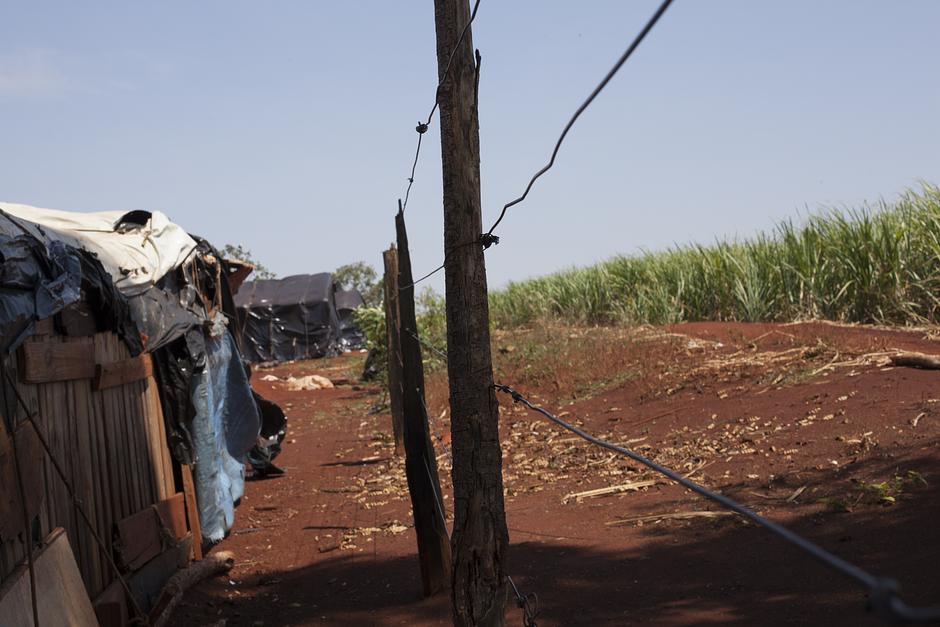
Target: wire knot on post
point(516, 397)
point(488, 239)
point(422, 128)
point(528, 603)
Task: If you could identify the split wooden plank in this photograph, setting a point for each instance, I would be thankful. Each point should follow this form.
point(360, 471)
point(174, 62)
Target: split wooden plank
point(137, 539)
point(122, 372)
point(63, 601)
point(172, 514)
point(166, 459)
point(44, 360)
point(141, 537)
point(147, 583)
point(192, 510)
point(29, 452)
point(45, 326)
point(79, 472)
point(153, 445)
point(104, 473)
point(111, 606)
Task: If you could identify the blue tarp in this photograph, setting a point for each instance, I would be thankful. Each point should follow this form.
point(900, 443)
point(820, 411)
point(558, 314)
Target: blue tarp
point(226, 427)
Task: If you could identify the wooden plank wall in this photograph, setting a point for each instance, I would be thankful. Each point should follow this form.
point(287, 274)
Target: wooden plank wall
point(110, 442)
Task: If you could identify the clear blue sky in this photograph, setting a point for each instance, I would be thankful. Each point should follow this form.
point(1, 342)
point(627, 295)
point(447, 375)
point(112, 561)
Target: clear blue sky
point(289, 126)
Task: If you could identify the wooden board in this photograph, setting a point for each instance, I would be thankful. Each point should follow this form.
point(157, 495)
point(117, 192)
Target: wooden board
point(63, 600)
point(147, 583)
point(77, 320)
point(45, 326)
point(29, 451)
point(52, 360)
point(123, 372)
point(137, 539)
point(192, 511)
point(172, 513)
point(111, 606)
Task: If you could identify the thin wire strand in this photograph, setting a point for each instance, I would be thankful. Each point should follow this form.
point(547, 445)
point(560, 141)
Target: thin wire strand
point(883, 591)
point(423, 127)
point(613, 71)
point(526, 603)
point(426, 276)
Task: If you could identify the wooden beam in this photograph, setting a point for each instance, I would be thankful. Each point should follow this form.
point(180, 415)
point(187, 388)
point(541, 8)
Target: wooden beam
point(420, 461)
point(123, 372)
point(30, 453)
point(192, 510)
point(45, 361)
point(393, 345)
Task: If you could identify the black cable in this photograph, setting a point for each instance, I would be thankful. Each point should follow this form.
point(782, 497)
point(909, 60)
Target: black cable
point(422, 127)
point(623, 58)
point(883, 592)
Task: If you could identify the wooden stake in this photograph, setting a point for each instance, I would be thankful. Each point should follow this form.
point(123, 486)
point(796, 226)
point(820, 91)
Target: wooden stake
point(420, 461)
point(192, 510)
point(480, 537)
point(393, 344)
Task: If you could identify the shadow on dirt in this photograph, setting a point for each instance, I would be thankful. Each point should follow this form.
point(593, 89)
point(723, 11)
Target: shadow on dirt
point(681, 572)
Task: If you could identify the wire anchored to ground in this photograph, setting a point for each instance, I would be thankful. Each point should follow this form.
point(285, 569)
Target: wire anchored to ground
point(883, 593)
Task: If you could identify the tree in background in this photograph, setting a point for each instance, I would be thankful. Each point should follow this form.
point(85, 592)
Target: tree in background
point(243, 254)
point(360, 276)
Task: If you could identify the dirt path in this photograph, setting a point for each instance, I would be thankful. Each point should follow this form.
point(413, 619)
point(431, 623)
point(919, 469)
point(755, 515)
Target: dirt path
point(803, 423)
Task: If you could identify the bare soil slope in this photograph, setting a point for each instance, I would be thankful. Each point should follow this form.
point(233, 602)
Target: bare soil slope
point(805, 423)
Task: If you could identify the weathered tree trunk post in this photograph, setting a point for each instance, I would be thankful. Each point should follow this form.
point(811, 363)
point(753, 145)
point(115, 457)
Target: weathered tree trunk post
point(420, 462)
point(480, 537)
point(393, 345)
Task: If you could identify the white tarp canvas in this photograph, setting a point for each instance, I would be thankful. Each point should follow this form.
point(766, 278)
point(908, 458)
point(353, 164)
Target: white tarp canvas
point(136, 258)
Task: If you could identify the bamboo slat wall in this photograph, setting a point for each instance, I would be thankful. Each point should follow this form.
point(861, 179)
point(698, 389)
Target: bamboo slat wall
point(111, 444)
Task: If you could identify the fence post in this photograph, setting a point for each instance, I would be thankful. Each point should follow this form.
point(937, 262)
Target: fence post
point(393, 344)
point(481, 538)
point(420, 462)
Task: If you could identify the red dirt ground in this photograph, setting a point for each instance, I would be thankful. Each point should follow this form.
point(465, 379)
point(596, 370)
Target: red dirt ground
point(802, 422)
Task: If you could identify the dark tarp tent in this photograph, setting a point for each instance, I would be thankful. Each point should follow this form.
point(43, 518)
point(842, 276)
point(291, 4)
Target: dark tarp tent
point(347, 301)
point(290, 318)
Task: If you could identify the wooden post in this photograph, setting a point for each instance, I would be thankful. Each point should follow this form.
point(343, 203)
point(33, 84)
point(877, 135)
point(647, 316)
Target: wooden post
point(420, 462)
point(393, 344)
point(480, 537)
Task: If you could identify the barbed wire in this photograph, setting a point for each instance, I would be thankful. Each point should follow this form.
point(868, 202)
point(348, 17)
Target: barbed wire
point(488, 239)
point(584, 105)
point(883, 593)
point(422, 127)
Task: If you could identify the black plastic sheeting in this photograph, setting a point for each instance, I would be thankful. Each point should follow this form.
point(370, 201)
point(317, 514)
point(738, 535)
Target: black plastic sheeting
point(351, 336)
point(37, 280)
point(286, 319)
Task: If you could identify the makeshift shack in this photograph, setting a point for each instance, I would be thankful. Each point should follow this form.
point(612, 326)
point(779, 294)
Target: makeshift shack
point(290, 318)
point(127, 412)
